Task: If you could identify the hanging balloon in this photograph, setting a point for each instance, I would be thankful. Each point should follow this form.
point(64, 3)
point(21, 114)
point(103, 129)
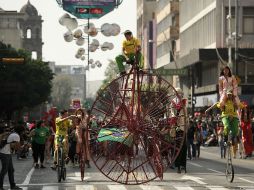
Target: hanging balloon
point(78, 33)
point(104, 46)
point(78, 56)
point(80, 41)
point(62, 19)
point(92, 32)
point(93, 65)
point(98, 63)
point(106, 29)
point(92, 48)
point(91, 61)
point(71, 23)
point(68, 36)
point(95, 43)
point(83, 58)
point(86, 28)
point(115, 29)
point(110, 46)
point(81, 51)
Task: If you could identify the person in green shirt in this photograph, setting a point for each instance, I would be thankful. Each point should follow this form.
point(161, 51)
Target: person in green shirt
point(229, 115)
point(39, 135)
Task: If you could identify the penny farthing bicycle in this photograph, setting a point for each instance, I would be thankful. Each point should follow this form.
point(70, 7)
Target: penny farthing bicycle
point(143, 127)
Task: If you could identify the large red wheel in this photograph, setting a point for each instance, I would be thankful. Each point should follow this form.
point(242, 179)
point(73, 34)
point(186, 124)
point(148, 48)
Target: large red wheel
point(135, 139)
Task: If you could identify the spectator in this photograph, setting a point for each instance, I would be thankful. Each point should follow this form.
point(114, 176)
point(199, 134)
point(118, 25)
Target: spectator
point(190, 138)
point(40, 135)
point(6, 159)
point(247, 132)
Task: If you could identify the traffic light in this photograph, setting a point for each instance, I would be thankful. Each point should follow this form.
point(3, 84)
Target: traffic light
point(194, 100)
point(11, 60)
point(189, 99)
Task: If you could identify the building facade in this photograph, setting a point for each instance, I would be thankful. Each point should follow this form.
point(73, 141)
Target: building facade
point(77, 75)
point(146, 30)
point(22, 30)
point(204, 47)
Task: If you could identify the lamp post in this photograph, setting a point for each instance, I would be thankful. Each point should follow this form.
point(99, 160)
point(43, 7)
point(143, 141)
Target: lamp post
point(229, 39)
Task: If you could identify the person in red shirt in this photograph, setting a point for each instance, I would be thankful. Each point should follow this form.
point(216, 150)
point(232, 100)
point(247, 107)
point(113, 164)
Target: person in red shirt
point(246, 131)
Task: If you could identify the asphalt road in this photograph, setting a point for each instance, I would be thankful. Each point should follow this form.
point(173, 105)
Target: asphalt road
point(206, 172)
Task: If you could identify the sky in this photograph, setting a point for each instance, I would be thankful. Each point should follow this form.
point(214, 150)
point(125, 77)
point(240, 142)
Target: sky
point(63, 53)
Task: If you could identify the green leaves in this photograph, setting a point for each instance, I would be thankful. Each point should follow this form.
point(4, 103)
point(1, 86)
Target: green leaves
point(23, 85)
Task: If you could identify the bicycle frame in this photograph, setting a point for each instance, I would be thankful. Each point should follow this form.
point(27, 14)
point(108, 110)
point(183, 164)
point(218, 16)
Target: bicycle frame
point(61, 169)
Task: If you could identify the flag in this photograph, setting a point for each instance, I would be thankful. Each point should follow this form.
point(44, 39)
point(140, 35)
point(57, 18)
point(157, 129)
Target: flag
point(117, 135)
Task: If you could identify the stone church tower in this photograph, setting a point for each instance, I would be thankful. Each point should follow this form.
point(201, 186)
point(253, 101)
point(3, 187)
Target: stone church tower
point(31, 29)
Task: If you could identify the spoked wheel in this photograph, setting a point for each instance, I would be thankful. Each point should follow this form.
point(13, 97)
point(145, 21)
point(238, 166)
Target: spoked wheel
point(229, 168)
point(59, 164)
point(139, 116)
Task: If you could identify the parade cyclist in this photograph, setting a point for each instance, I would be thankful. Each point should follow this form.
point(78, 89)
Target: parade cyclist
point(229, 115)
point(62, 125)
point(130, 48)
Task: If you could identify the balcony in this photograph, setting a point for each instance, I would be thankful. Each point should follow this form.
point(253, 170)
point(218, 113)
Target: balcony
point(174, 7)
point(174, 32)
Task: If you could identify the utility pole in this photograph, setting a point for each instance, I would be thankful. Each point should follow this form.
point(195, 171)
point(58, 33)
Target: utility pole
point(236, 37)
point(229, 17)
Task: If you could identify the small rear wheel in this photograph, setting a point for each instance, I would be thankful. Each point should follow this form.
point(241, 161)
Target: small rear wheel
point(230, 172)
point(59, 164)
point(230, 168)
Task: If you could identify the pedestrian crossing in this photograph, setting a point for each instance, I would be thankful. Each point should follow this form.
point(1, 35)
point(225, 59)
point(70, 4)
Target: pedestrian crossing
point(175, 186)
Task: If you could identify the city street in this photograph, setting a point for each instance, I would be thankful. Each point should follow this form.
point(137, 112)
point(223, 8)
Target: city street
point(206, 172)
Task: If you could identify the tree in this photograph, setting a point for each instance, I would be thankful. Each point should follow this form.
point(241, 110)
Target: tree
point(22, 85)
point(61, 94)
point(110, 73)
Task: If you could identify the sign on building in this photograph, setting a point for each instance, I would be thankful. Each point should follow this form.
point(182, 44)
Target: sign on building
point(85, 9)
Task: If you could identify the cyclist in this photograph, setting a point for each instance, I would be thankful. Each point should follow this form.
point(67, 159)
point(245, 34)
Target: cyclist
point(130, 48)
point(62, 124)
point(229, 115)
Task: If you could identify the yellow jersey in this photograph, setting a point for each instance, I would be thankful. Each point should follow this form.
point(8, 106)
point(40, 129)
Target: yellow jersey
point(62, 126)
point(131, 45)
point(229, 109)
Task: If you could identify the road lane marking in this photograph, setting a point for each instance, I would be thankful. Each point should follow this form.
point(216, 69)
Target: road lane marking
point(85, 187)
point(245, 180)
point(116, 187)
point(50, 188)
point(194, 164)
point(193, 178)
point(217, 188)
point(28, 177)
point(150, 187)
point(216, 171)
point(183, 188)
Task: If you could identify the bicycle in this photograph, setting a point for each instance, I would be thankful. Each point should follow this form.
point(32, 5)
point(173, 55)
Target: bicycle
point(229, 166)
point(138, 105)
point(61, 169)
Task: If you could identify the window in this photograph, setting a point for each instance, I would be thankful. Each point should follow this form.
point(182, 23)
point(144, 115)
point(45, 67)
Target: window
point(34, 55)
point(28, 33)
point(248, 20)
point(248, 25)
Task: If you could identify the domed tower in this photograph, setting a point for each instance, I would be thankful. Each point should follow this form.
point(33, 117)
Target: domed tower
point(31, 26)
